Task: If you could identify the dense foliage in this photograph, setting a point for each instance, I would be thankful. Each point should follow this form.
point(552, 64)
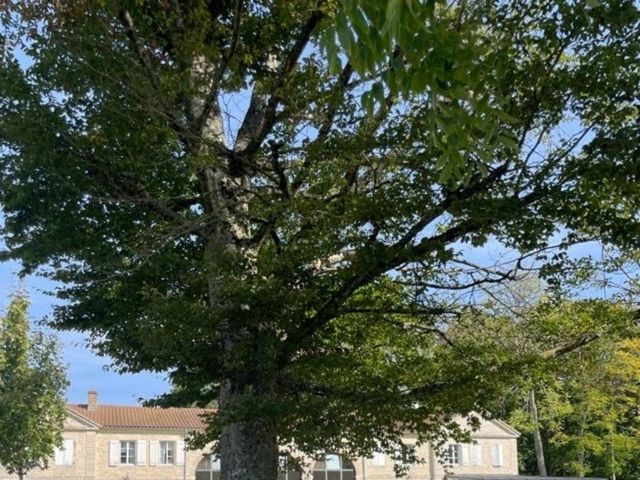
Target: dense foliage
point(32, 386)
point(578, 397)
point(279, 205)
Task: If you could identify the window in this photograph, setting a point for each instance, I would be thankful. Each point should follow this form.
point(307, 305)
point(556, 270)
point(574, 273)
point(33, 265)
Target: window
point(405, 455)
point(453, 454)
point(464, 454)
point(288, 469)
point(167, 453)
point(127, 452)
point(334, 467)
point(208, 468)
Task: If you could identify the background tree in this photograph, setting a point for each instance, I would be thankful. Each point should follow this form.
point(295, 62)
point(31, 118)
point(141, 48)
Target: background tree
point(576, 400)
point(588, 414)
point(227, 202)
point(32, 386)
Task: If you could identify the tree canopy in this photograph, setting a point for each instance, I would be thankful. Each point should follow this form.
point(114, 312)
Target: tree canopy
point(32, 385)
point(278, 205)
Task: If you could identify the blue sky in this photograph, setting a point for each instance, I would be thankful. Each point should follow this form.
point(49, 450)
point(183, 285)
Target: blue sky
point(85, 370)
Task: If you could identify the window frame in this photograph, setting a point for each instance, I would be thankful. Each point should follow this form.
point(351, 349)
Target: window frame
point(454, 460)
point(163, 457)
point(128, 452)
point(341, 470)
point(214, 467)
point(286, 473)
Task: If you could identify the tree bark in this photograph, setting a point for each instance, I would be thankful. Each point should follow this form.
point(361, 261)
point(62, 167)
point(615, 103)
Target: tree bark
point(249, 450)
point(537, 437)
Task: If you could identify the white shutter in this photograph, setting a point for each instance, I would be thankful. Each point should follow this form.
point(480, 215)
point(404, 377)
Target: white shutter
point(58, 456)
point(465, 454)
point(68, 452)
point(180, 452)
point(154, 452)
point(114, 452)
point(496, 456)
point(476, 449)
point(141, 452)
point(379, 458)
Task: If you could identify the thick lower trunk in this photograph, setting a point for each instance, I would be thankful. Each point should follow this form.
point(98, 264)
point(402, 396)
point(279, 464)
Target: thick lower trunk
point(537, 437)
point(248, 450)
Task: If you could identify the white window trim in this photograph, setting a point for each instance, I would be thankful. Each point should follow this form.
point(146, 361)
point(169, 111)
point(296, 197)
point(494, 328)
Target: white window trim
point(458, 460)
point(175, 452)
point(135, 448)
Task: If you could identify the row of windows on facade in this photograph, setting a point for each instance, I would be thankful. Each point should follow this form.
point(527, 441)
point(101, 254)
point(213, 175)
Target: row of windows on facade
point(130, 452)
point(134, 452)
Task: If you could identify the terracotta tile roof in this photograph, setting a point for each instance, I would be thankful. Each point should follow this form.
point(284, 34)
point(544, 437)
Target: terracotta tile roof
point(115, 416)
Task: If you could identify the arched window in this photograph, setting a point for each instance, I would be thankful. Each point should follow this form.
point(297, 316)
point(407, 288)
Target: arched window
point(208, 468)
point(334, 467)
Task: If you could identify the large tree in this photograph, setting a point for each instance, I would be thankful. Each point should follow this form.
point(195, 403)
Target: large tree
point(277, 203)
point(32, 386)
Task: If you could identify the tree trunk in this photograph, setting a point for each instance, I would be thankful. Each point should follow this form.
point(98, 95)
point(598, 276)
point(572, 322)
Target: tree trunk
point(613, 461)
point(249, 450)
point(581, 452)
point(537, 437)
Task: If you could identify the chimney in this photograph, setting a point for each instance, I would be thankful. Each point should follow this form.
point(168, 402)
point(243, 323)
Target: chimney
point(92, 401)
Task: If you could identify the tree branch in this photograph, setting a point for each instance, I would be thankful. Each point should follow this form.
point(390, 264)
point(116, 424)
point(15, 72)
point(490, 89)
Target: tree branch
point(211, 99)
point(261, 115)
point(132, 35)
point(371, 262)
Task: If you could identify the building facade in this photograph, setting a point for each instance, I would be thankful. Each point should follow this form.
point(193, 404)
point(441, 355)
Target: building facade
point(106, 442)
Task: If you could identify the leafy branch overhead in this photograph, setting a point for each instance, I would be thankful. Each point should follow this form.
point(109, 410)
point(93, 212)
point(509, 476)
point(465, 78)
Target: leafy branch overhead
point(276, 204)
